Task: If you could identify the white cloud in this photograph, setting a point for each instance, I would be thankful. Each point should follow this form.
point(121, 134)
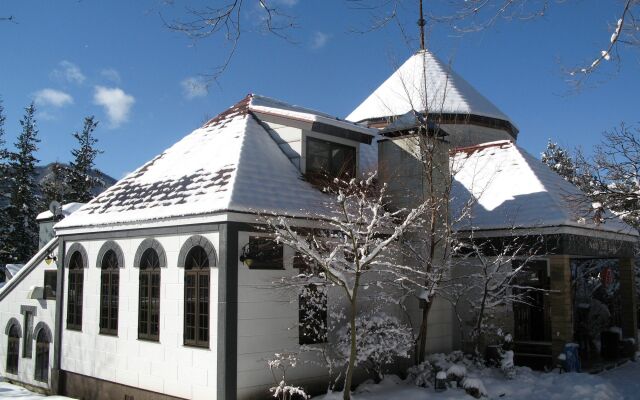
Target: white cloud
point(117, 104)
point(193, 87)
point(111, 74)
point(288, 3)
point(319, 40)
point(69, 72)
point(52, 97)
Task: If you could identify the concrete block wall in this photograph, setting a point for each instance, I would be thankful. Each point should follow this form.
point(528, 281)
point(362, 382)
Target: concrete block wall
point(167, 366)
point(10, 307)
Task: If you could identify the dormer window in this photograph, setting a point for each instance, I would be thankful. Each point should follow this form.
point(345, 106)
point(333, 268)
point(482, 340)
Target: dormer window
point(327, 160)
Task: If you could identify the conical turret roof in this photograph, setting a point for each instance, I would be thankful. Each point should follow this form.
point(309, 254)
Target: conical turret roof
point(425, 84)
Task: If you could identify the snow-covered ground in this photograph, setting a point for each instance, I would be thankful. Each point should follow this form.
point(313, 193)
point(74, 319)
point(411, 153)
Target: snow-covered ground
point(9, 391)
point(622, 383)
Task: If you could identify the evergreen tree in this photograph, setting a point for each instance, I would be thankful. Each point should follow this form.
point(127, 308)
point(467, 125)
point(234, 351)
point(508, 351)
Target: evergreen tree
point(559, 160)
point(24, 203)
point(55, 185)
point(4, 198)
point(81, 182)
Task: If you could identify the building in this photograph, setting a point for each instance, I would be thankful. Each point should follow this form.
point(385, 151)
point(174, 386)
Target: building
point(152, 298)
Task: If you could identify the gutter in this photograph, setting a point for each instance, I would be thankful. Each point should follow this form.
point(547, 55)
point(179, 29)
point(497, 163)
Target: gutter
point(56, 387)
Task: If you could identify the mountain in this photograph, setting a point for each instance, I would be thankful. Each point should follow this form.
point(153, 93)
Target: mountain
point(44, 171)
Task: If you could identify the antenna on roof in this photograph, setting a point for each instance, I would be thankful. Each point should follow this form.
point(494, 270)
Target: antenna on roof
point(421, 23)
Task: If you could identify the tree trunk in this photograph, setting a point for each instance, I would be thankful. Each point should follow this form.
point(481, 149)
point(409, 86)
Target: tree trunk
point(352, 355)
point(422, 335)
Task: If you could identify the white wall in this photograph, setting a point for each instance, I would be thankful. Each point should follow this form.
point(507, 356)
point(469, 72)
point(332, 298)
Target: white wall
point(45, 312)
point(166, 366)
point(267, 324)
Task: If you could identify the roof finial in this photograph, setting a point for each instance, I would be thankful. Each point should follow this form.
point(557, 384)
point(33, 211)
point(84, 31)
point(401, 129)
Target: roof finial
point(421, 24)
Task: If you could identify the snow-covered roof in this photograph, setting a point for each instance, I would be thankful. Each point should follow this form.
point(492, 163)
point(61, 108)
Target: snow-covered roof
point(230, 164)
point(424, 81)
point(67, 209)
point(266, 105)
point(13, 268)
point(509, 187)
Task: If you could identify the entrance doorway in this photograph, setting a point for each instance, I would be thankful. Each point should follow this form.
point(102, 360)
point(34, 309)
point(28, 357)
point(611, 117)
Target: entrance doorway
point(532, 320)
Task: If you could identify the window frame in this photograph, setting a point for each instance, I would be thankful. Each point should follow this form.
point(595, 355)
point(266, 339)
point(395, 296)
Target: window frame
point(41, 368)
point(75, 292)
point(198, 271)
point(13, 350)
point(27, 338)
point(328, 175)
point(149, 268)
point(304, 337)
point(47, 276)
point(109, 293)
point(256, 246)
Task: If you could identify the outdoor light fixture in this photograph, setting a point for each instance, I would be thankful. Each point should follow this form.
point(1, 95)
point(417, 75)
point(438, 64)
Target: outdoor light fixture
point(50, 258)
point(245, 256)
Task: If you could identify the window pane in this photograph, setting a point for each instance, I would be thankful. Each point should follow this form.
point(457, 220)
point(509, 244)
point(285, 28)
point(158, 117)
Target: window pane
point(74, 305)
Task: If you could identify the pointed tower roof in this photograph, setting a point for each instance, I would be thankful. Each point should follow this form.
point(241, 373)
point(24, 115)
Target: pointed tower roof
point(424, 83)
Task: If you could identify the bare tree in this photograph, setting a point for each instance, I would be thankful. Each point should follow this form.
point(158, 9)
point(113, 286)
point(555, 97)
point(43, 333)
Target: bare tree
point(612, 174)
point(350, 250)
point(492, 281)
point(228, 19)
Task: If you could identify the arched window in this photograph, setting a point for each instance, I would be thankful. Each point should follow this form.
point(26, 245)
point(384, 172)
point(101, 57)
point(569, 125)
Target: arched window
point(196, 298)
point(149, 296)
point(13, 349)
point(42, 356)
point(74, 302)
point(109, 289)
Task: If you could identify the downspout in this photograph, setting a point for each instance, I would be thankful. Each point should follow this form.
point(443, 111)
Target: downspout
point(56, 387)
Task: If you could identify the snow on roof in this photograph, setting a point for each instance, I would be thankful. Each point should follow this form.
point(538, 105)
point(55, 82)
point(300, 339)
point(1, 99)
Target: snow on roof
point(67, 209)
point(404, 90)
point(13, 268)
point(230, 164)
point(511, 188)
point(266, 105)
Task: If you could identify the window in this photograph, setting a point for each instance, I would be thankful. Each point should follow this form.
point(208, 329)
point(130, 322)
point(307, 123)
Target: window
point(149, 296)
point(326, 160)
point(109, 287)
point(196, 298)
point(312, 308)
point(42, 356)
point(51, 282)
point(262, 253)
point(74, 305)
point(28, 334)
point(13, 349)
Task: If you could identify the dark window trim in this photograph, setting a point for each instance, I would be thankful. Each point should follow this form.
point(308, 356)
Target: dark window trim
point(197, 268)
point(54, 273)
point(13, 349)
point(41, 370)
point(255, 253)
point(149, 267)
point(327, 175)
point(304, 337)
point(27, 339)
point(109, 283)
point(76, 286)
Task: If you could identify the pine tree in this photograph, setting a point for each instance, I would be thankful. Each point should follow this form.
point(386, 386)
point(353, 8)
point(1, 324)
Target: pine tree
point(81, 182)
point(4, 200)
point(24, 204)
point(559, 160)
point(55, 185)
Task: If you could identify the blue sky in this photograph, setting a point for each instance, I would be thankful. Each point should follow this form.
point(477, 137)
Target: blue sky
point(118, 61)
